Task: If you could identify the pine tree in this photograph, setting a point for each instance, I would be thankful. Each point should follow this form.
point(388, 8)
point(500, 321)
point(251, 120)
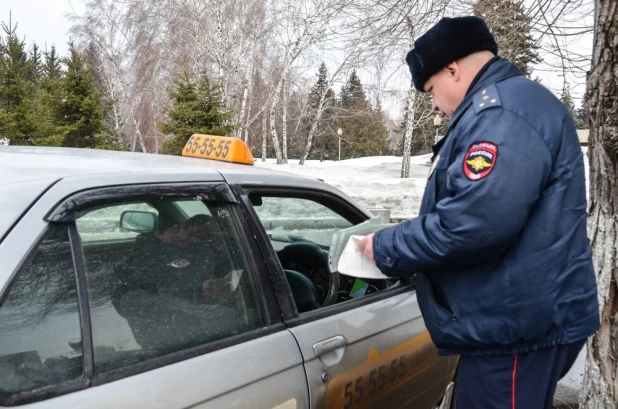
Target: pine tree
point(195, 107)
point(352, 94)
point(52, 68)
point(583, 119)
point(567, 100)
point(364, 132)
point(511, 28)
point(49, 96)
point(82, 110)
point(34, 74)
point(324, 140)
point(17, 120)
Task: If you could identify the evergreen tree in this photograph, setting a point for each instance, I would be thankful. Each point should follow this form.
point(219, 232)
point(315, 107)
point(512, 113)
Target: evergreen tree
point(364, 132)
point(324, 140)
point(195, 107)
point(35, 64)
point(583, 120)
point(567, 100)
point(50, 97)
point(17, 120)
point(51, 67)
point(511, 28)
point(82, 111)
point(352, 93)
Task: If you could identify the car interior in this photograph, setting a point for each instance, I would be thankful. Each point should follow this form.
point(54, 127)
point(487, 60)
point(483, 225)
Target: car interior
point(305, 261)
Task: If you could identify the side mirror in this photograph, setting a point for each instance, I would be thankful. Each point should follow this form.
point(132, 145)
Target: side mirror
point(137, 221)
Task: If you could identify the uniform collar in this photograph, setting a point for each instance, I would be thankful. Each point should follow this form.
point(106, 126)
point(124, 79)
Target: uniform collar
point(496, 70)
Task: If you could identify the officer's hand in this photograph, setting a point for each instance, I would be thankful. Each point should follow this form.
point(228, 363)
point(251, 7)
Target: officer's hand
point(366, 246)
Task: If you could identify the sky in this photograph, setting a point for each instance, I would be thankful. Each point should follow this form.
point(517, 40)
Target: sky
point(46, 22)
point(42, 21)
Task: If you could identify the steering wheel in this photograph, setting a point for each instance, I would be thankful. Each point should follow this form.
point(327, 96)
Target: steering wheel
point(308, 258)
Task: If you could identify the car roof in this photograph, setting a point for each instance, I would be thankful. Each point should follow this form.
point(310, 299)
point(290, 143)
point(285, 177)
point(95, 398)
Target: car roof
point(33, 163)
point(27, 172)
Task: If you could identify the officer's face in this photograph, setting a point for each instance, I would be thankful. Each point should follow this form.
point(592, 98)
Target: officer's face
point(447, 89)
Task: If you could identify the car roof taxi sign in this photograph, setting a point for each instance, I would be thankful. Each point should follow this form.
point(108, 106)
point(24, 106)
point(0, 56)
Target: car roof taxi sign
point(223, 148)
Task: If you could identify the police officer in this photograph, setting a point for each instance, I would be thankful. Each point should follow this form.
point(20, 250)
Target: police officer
point(502, 261)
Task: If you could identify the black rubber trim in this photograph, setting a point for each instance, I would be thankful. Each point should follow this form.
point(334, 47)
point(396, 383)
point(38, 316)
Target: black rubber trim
point(279, 283)
point(265, 292)
point(82, 299)
point(41, 394)
point(69, 208)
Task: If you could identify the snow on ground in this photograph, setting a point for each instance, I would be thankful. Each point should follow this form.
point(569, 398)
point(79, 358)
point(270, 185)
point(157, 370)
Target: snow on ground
point(375, 182)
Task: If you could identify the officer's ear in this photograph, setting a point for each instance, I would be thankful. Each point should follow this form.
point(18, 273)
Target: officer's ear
point(453, 70)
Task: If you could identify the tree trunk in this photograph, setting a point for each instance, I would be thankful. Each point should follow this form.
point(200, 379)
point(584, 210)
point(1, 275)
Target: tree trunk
point(407, 142)
point(284, 122)
point(264, 136)
point(246, 126)
point(273, 129)
point(600, 388)
point(221, 55)
point(314, 126)
point(248, 83)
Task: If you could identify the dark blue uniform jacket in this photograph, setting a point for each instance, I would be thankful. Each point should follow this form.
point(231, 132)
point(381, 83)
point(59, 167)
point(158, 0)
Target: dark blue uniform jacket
point(500, 251)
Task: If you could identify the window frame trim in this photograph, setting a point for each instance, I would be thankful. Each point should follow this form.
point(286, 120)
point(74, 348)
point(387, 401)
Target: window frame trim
point(68, 209)
point(83, 302)
point(265, 292)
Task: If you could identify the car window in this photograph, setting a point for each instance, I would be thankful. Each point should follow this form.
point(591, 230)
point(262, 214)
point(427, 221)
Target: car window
point(185, 283)
point(289, 220)
point(300, 230)
point(103, 224)
point(40, 336)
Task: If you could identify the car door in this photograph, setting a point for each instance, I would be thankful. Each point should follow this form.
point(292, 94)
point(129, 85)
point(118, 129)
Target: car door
point(370, 347)
point(185, 318)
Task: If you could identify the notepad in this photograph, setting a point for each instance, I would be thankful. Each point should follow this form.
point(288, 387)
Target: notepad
point(353, 262)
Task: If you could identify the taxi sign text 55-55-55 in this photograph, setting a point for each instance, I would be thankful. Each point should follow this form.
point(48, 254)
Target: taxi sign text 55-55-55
point(223, 148)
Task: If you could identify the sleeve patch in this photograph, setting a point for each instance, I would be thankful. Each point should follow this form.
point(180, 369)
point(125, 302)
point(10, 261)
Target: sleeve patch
point(480, 160)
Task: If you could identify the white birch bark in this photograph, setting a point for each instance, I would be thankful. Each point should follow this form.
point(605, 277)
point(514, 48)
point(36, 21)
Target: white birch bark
point(314, 125)
point(409, 132)
point(264, 136)
point(284, 122)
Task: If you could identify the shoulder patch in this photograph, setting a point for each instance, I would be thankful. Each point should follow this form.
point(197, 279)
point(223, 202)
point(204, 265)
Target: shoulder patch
point(486, 98)
point(480, 160)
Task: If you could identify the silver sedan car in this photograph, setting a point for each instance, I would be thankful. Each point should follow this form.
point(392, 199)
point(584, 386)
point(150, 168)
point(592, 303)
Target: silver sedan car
point(147, 281)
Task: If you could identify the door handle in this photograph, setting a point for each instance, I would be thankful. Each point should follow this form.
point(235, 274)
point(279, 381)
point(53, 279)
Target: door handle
point(329, 345)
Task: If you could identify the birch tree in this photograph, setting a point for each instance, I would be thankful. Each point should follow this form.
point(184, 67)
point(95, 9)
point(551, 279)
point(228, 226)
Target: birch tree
point(601, 375)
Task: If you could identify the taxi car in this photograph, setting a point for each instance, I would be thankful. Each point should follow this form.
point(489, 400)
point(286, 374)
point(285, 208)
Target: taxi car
point(148, 281)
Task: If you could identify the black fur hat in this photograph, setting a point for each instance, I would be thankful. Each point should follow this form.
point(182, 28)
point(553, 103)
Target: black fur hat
point(449, 40)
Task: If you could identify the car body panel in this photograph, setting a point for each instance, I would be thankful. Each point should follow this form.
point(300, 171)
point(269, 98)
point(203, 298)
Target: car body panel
point(387, 349)
point(244, 372)
point(282, 368)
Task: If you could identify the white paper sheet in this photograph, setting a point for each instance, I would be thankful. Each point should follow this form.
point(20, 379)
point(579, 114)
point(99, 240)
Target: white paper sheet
point(353, 263)
point(234, 278)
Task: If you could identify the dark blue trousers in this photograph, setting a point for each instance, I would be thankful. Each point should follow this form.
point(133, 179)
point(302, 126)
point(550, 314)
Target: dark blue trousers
point(525, 381)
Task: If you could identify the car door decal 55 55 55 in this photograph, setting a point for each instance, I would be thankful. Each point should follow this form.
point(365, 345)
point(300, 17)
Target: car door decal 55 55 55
point(381, 373)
